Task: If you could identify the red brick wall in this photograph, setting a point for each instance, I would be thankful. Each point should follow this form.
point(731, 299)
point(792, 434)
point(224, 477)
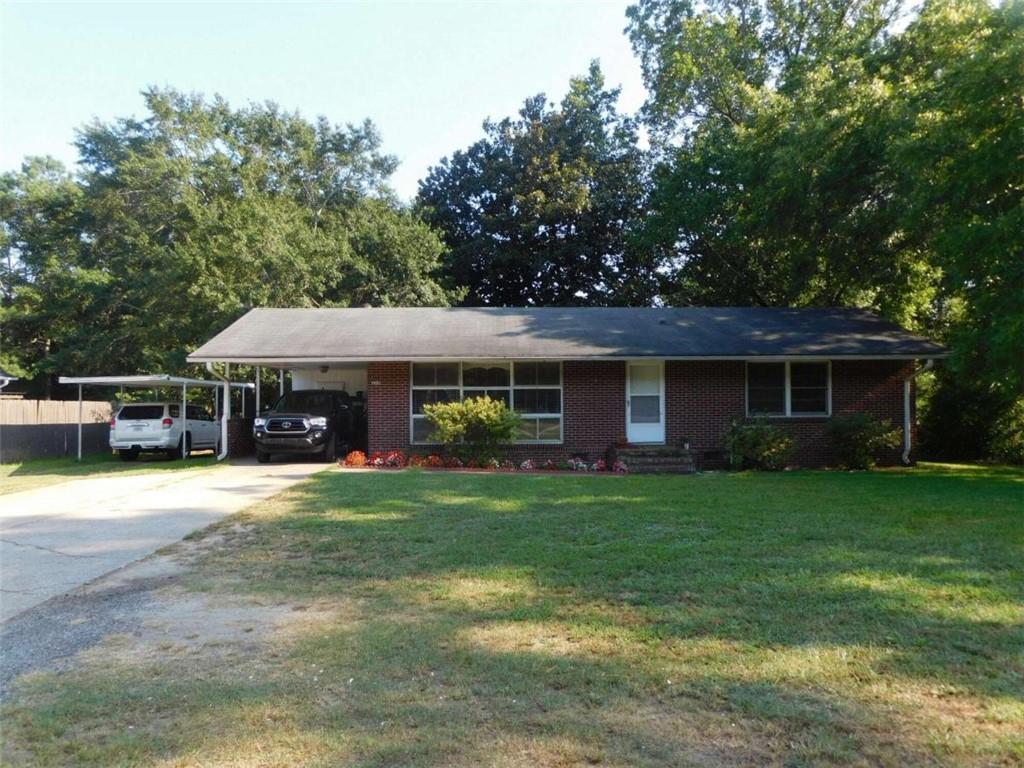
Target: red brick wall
point(387, 406)
point(593, 408)
point(701, 399)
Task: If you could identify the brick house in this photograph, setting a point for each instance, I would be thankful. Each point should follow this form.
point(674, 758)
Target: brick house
point(586, 379)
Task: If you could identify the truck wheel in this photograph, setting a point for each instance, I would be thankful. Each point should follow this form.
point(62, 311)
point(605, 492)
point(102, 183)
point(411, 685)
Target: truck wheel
point(262, 456)
point(128, 454)
point(330, 453)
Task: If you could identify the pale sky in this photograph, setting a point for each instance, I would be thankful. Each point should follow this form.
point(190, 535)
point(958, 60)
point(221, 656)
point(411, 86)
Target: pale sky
point(426, 73)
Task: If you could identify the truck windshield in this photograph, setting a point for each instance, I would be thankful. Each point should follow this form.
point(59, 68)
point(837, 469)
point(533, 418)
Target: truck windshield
point(320, 403)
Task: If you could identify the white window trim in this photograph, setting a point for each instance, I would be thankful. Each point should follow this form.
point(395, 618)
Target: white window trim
point(511, 388)
point(789, 391)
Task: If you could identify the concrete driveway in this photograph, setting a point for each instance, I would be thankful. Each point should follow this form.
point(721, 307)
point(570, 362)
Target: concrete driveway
point(58, 538)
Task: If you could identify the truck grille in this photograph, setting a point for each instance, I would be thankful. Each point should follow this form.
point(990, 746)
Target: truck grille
point(287, 426)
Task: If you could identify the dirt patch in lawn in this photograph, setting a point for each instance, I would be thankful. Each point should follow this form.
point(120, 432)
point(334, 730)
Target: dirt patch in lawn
point(169, 623)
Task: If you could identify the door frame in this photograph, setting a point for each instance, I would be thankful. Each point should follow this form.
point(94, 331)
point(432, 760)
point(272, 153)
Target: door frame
point(661, 397)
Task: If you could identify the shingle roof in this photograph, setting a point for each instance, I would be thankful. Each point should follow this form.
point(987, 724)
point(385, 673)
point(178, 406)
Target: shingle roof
point(313, 335)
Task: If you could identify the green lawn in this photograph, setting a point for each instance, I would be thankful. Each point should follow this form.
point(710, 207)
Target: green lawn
point(39, 473)
point(802, 618)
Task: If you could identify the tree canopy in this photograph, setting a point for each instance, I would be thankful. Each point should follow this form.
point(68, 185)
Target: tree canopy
point(179, 222)
point(540, 210)
point(808, 153)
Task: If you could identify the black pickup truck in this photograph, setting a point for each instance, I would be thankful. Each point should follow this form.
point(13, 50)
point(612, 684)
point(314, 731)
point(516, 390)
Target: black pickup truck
point(320, 422)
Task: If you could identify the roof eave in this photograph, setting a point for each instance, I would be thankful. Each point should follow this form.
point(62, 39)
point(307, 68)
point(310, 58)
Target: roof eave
point(327, 359)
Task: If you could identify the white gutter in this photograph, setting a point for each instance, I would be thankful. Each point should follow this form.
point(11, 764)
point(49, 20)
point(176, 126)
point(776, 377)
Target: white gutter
point(928, 365)
point(223, 454)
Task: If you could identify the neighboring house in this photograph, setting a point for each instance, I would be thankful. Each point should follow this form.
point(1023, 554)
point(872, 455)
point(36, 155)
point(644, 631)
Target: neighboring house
point(584, 379)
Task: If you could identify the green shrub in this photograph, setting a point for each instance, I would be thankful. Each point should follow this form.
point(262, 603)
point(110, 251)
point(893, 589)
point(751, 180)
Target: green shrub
point(1008, 435)
point(858, 440)
point(473, 429)
point(757, 444)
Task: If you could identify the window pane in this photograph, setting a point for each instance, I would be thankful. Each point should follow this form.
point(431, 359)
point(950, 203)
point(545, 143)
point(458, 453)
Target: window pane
point(435, 374)
point(766, 388)
point(808, 387)
point(645, 379)
point(549, 429)
point(527, 430)
point(538, 374)
point(421, 430)
point(766, 375)
point(645, 409)
point(526, 373)
point(422, 396)
point(767, 400)
point(485, 375)
point(809, 400)
point(538, 400)
point(808, 375)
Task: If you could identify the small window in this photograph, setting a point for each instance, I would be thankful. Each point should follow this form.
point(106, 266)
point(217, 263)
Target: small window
point(538, 374)
point(534, 429)
point(435, 374)
point(538, 401)
point(766, 388)
point(788, 389)
point(485, 375)
point(808, 385)
point(421, 397)
point(421, 430)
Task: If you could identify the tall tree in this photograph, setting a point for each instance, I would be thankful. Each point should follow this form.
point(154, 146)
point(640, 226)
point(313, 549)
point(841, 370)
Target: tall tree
point(807, 154)
point(959, 170)
point(540, 210)
point(770, 124)
point(179, 222)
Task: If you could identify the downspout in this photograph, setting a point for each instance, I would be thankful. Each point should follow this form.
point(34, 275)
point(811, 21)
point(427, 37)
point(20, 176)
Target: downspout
point(223, 454)
point(928, 365)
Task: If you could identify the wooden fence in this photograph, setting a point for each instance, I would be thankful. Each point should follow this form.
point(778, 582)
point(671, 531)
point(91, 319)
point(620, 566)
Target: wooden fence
point(32, 429)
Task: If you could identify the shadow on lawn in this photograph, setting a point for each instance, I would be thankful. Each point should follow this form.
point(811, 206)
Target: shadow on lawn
point(499, 615)
point(790, 569)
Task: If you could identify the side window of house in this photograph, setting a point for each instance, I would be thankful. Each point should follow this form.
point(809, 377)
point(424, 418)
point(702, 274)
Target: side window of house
point(788, 389)
point(431, 383)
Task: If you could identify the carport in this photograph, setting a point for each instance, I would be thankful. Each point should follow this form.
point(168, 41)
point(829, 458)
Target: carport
point(158, 381)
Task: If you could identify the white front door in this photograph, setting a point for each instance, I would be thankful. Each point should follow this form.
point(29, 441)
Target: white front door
point(645, 402)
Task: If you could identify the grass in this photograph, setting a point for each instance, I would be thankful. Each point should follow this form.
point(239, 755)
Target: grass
point(39, 473)
point(803, 618)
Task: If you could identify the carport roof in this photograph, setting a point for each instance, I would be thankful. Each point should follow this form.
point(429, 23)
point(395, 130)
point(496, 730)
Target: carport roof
point(287, 337)
point(154, 380)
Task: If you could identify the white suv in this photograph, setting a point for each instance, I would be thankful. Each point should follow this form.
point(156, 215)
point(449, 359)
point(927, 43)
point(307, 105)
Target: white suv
point(157, 427)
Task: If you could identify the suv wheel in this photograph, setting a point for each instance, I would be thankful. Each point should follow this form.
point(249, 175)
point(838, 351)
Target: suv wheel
point(175, 453)
point(262, 456)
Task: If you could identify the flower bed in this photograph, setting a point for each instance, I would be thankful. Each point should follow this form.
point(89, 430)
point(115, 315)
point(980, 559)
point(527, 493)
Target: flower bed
point(398, 459)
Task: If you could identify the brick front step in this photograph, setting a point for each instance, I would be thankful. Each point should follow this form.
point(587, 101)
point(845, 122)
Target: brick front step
point(661, 469)
point(653, 459)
